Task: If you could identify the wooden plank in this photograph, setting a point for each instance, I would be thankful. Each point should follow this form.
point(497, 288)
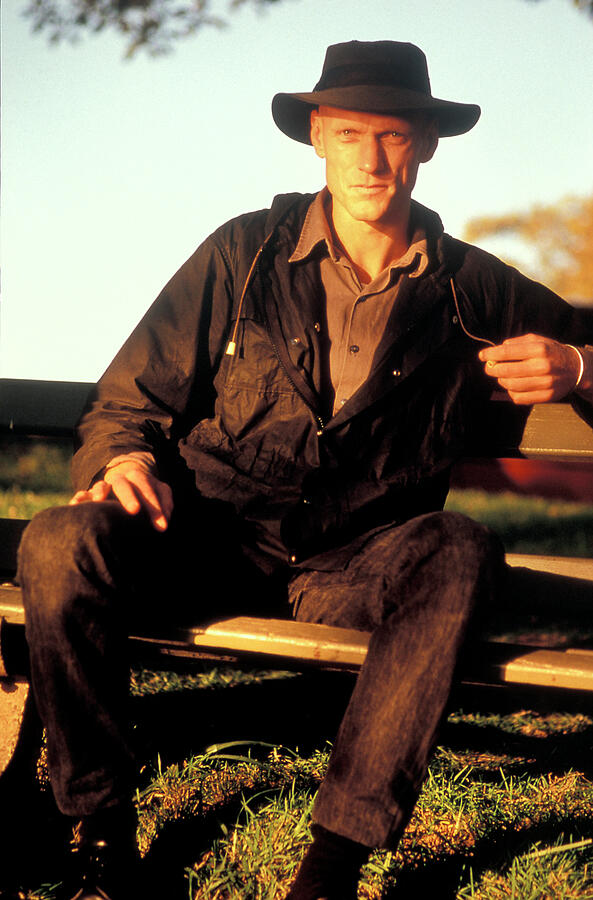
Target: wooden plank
point(330, 647)
point(13, 700)
point(11, 604)
point(41, 407)
point(569, 566)
point(284, 638)
point(554, 430)
point(545, 431)
point(567, 669)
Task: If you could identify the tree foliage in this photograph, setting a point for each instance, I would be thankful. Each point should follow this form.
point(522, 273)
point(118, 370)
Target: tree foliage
point(153, 25)
point(561, 235)
point(585, 5)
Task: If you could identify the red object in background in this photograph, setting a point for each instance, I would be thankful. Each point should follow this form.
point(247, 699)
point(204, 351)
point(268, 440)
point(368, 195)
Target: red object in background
point(558, 480)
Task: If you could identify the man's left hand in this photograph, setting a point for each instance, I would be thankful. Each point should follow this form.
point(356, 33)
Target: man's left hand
point(532, 368)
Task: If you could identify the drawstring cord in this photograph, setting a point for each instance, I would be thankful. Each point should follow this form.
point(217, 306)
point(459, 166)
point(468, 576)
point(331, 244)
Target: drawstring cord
point(232, 344)
point(474, 337)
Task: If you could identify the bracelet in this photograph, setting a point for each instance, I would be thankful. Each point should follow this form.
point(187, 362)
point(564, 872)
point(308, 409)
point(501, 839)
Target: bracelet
point(582, 365)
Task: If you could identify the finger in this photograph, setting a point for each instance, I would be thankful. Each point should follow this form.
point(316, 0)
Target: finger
point(529, 398)
point(166, 499)
point(158, 502)
point(98, 492)
point(136, 490)
point(525, 368)
point(126, 493)
point(80, 497)
point(517, 348)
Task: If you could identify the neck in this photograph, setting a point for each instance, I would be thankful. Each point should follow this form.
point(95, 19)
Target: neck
point(372, 246)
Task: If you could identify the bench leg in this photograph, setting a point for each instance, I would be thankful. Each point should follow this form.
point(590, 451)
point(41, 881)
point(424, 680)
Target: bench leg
point(20, 730)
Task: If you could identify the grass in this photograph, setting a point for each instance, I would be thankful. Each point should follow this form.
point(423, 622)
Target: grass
point(505, 811)
point(530, 524)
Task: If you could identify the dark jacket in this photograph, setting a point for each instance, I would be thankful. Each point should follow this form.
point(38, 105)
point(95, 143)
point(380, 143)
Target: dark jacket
point(254, 427)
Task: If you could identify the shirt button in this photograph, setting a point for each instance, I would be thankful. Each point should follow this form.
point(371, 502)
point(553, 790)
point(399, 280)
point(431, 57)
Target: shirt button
point(396, 373)
point(293, 558)
point(354, 348)
point(295, 341)
point(342, 402)
point(317, 326)
point(455, 320)
point(306, 501)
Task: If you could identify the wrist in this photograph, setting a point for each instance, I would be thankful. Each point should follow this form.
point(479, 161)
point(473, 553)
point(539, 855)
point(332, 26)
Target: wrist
point(584, 383)
point(581, 363)
point(137, 460)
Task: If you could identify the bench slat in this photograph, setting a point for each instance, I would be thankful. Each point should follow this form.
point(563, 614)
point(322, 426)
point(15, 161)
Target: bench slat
point(331, 647)
point(570, 566)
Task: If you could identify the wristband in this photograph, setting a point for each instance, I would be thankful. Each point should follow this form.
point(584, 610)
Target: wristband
point(582, 365)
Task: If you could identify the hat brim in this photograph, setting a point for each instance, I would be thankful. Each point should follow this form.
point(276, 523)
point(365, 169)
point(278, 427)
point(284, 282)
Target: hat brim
point(292, 112)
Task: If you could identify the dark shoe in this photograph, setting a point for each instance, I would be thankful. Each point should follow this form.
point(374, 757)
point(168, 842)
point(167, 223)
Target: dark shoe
point(105, 872)
point(104, 860)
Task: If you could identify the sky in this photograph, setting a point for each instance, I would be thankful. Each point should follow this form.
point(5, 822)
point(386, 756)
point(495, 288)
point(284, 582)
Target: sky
point(115, 170)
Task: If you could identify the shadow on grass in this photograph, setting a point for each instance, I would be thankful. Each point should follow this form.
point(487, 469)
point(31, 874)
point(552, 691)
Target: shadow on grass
point(555, 753)
point(444, 878)
point(300, 712)
point(303, 712)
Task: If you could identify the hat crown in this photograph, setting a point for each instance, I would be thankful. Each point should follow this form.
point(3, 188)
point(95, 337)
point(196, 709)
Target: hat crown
point(388, 78)
point(392, 63)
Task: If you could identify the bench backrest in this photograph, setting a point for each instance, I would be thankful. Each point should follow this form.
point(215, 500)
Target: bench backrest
point(552, 431)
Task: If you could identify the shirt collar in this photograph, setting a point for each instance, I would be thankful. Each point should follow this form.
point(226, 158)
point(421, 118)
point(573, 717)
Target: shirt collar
point(316, 231)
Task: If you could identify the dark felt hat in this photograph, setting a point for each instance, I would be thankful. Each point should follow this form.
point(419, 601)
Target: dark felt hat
point(385, 77)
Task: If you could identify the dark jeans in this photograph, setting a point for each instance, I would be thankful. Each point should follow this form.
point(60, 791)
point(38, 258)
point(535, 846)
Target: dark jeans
point(89, 571)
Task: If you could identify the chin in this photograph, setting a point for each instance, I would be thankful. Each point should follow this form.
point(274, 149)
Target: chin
point(369, 212)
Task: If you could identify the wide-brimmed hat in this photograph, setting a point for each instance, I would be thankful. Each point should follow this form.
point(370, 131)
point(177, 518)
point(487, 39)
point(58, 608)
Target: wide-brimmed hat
point(385, 77)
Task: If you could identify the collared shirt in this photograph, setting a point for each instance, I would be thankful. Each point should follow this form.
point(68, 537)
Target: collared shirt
point(356, 313)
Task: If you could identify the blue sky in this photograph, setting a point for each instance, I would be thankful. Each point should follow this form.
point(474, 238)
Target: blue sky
point(115, 170)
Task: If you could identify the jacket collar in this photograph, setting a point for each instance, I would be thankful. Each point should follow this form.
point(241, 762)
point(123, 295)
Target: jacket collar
point(415, 327)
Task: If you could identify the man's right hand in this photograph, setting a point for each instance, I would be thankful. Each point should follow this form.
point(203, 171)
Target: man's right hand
point(136, 488)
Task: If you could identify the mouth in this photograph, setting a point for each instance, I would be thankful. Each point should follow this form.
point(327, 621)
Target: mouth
point(370, 188)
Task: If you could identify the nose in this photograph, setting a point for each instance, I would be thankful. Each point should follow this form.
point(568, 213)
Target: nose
point(370, 154)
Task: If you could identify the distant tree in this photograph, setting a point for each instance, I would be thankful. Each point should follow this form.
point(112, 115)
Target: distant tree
point(153, 25)
point(585, 5)
point(561, 236)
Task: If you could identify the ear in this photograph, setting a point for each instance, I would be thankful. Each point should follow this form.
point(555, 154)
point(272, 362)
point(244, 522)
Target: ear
point(430, 141)
point(317, 133)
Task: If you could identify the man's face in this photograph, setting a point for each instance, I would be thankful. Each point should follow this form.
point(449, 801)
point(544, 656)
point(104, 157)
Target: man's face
point(371, 161)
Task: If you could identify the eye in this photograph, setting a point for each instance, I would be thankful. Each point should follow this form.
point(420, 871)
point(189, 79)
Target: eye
point(396, 137)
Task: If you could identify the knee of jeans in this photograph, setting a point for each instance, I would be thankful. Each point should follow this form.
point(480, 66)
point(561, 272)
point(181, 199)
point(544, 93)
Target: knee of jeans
point(54, 545)
point(463, 536)
point(473, 552)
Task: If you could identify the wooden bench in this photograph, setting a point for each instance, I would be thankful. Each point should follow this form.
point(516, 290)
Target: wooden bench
point(550, 432)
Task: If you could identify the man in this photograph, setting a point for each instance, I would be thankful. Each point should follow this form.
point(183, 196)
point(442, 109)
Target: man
point(281, 424)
